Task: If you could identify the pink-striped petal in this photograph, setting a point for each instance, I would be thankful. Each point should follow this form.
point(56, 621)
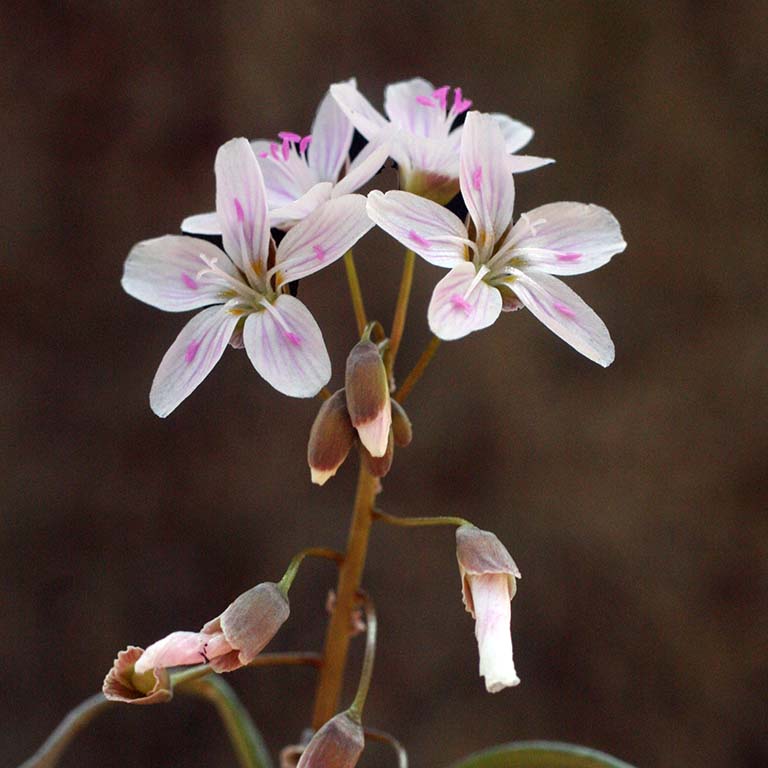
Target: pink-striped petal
point(241, 204)
point(191, 358)
point(202, 224)
point(565, 314)
point(169, 273)
point(175, 650)
point(286, 216)
point(358, 109)
point(462, 303)
point(486, 183)
point(410, 107)
point(322, 238)
point(567, 238)
point(331, 139)
point(430, 230)
point(286, 347)
point(364, 167)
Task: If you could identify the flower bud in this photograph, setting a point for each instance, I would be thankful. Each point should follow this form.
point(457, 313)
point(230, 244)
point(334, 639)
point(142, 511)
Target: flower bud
point(123, 683)
point(330, 439)
point(338, 744)
point(488, 585)
point(367, 394)
point(401, 425)
point(379, 466)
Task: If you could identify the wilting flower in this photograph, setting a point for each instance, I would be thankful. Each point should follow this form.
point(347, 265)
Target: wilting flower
point(124, 683)
point(245, 287)
point(488, 585)
point(338, 744)
point(496, 266)
point(303, 172)
point(419, 129)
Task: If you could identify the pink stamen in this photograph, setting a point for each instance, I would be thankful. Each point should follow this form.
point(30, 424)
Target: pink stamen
point(190, 282)
point(441, 94)
point(239, 211)
point(564, 309)
point(263, 154)
point(319, 252)
point(459, 302)
point(293, 339)
point(477, 178)
point(289, 136)
point(418, 239)
point(274, 149)
point(426, 101)
point(192, 348)
point(460, 104)
point(568, 256)
point(286, 148)
point(304, 143)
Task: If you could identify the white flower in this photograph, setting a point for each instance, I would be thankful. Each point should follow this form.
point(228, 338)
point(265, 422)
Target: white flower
point(496, 266)
point(243, 287)
point(419, 129)
point(302, 173)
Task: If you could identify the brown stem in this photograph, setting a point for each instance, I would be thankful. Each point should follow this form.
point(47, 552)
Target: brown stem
point(416, 372)
point(331, 676)
point(401, 311)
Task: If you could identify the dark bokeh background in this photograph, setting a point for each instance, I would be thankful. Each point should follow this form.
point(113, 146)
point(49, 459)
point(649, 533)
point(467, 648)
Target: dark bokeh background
point(633, 499)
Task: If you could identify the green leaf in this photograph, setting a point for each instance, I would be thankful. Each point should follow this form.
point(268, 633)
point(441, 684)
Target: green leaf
point(540, 754)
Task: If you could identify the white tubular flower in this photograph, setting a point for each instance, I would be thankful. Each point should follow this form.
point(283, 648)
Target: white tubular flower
point(488, 585)
point(496, 266)
point(419, 129)
point(243, 287)
point(303, 172)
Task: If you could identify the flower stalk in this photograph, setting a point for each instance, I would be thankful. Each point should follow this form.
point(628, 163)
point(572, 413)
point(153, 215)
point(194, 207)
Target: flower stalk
point(418, 370)
point(401, 311)
point(356, 294)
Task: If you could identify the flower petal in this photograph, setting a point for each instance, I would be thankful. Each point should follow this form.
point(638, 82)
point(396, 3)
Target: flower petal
point(407, 106)
point(202, 224)
point(331, 138)
point(177, 649)
point(516, 134)
point(461, 303)
point(191, 358)
point(288, 215)
point(241, 204)
point(167, 272)
point(565, 314)
point(364, 167)
point(567, 238)
point(286, 347)
point(486, 182)
point(285, 180)
point(324, 236)
point(430, 230)
point(522, 163)
point(358, 109)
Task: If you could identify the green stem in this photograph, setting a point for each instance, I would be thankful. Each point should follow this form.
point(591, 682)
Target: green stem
point(356, 710)
point(293, 567)
point(354, 291)
point(417, 522)
point(401, 310)
point(417, 371)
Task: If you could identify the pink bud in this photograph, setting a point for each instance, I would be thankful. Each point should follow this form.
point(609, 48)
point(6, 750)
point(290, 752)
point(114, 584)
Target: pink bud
point(330, 439)
point(367, 393)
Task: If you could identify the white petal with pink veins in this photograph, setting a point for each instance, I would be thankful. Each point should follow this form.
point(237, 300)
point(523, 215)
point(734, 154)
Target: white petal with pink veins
point(285, 180)
point(486, 183)
point(516, 134)
point(286, 347)
point(202, 224)
point(331, 137)
point(410, 105)
point(365, 166)
point(241, 204)
point(174, 650)
point(171, 273)
point(462, 303)
point(565, 314)
point(322, 238)
point(289, 215)
point(191, 358)
point(358, 109)
point(567, 238)
point(430, 230)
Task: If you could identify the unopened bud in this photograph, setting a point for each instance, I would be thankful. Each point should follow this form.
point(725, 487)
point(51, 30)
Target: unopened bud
point(401, 425)
point(123, 683)
point(338, 744)
point(367, 393)
point(330, 439)
point(379, 466)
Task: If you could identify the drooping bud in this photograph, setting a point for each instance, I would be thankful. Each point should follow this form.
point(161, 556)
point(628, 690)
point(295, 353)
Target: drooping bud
point(401, 425)
point(488, 585)
point(338, 744)
point(367, 394)
point(379, 466)
point(330, 438)
point(123, 683)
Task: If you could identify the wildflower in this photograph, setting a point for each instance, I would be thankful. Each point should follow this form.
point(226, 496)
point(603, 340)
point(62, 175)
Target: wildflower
point(338, 744)
point(488, 585)
point(496, 266)
point(303, 172)
point(244, 287)
point(419, 129)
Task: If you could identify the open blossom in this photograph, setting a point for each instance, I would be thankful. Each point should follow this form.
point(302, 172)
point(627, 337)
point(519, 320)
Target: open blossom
point(488, 585)
point(245, 287)
point(496, 266)
point(303, 172)
point(419, 128)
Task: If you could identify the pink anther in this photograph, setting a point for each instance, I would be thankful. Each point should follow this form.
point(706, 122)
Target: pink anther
point(477, 178)
point(274, 149)
point(459, 302)
point(239, 211)
point(286, 148)
point(426, 101)
point(418, 239)
point(568, 256)
point(304, 143)
point(190, 282)
point(460, 104)
point(192, 348)
point(564, 309)
point(289, 136)
point(319, 252)
point(263, 154)
point(441, 94)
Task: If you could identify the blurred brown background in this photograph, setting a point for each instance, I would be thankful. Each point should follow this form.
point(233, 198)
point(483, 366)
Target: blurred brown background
point(633, 499)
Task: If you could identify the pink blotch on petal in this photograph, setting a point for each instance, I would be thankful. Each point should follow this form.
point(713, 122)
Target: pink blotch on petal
point(418, 239)
point(293, 338)
point(191, 352)
point(564, 309)
point(477, 178)
point(263, 154)
point(568, 256)
point(459, 302)
point(319, 252)
point(425, 101)
point(190, 282)
point(239, 211)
